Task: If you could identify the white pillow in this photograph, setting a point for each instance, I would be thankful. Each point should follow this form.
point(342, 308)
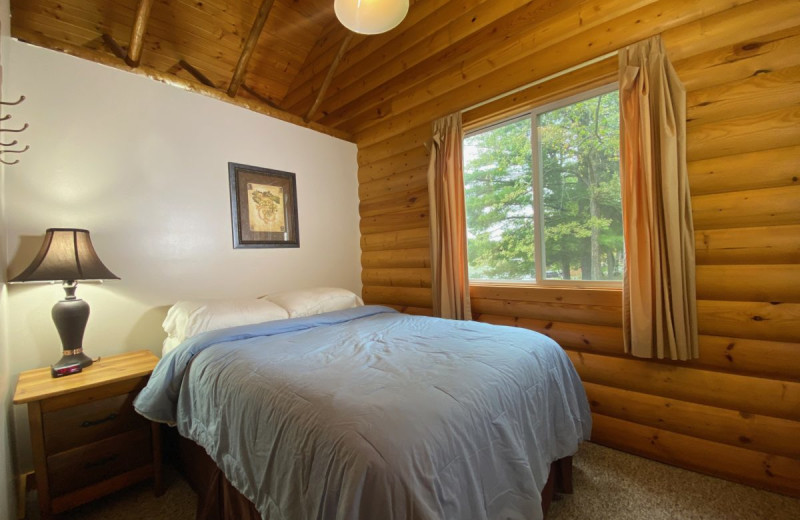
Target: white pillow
point(190, 318)
point(307, 302)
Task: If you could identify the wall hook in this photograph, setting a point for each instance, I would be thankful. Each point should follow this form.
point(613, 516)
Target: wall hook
point(16, 151)
point(17, 102)
point(25, 127)
point(12, 143)
point(9, 163)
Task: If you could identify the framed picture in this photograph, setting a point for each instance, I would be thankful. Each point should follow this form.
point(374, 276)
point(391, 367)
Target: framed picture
point(263, 207)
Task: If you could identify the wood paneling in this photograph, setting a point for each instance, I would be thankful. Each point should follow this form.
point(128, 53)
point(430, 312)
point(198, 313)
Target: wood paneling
point(772, 168)
point(749, 245)
point(751, 467)
point(733, 412)
point(754, 432)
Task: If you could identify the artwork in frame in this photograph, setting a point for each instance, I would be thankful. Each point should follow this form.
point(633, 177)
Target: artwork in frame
point(263, 207)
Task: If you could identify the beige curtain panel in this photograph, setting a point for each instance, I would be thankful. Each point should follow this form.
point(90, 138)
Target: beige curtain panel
point(449, 272)
point(659, 296)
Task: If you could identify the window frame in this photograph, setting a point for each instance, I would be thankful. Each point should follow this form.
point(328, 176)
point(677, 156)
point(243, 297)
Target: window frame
point(532, 114)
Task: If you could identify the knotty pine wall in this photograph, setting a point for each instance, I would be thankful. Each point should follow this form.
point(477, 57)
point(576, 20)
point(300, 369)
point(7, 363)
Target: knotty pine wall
point(735, 412)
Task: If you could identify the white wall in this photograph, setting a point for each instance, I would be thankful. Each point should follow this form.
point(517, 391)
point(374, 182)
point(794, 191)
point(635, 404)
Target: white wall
point(7, 497)
point(144, 167)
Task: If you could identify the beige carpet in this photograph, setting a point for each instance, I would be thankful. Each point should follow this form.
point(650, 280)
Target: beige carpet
point(609, 485)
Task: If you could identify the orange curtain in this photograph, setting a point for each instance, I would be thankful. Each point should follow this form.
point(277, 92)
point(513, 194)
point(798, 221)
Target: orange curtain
point(659, 298)
point(449, 273)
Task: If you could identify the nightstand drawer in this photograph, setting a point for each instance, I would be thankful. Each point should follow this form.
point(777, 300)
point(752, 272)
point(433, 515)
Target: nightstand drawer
point(99, 461)
point(90, 422)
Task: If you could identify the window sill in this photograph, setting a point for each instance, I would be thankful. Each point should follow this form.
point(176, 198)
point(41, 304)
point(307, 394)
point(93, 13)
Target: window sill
point(551, 284)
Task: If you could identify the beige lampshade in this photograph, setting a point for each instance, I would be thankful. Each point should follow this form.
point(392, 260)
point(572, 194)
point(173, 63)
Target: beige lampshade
point(66, 254)
point(370, 16)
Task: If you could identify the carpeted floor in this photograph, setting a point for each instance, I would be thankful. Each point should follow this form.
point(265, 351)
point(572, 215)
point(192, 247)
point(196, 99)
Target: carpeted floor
point(609, 485)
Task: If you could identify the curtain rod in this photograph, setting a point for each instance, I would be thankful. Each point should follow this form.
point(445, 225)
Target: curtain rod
point(541, 80)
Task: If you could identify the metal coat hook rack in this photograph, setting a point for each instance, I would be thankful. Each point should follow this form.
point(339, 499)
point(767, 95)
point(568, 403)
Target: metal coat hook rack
point(3, 149)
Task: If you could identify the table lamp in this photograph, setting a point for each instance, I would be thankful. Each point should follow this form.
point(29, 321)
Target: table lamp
point(67, 255)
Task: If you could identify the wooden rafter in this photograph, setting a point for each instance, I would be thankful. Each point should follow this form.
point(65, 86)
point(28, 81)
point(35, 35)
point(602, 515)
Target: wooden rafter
point(104, 58)
point(199, 76)
point(329, 76)
point(258, 96)
point(112, 44)
point(137, 33)
point(249, 46)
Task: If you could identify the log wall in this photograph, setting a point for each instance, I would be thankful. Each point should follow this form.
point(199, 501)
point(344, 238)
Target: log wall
point(735, 411)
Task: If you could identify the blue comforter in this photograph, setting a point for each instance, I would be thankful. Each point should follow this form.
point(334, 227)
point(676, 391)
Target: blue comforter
point(368, 414)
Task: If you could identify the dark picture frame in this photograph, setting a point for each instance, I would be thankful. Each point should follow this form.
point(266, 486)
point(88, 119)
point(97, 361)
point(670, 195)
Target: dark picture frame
point(263, 207)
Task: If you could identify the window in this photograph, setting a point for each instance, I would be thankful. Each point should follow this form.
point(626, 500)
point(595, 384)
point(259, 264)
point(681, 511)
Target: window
point(552, 215)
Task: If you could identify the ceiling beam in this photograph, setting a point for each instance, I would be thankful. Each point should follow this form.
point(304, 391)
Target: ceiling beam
point(137, 33)
point(104, 58)
point(249, 46)
point(258, 96)
point(329, 76)
point(199, 76)
point(112, 44)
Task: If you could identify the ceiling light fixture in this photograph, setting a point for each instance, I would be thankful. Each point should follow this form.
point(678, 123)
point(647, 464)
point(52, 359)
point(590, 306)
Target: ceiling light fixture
point(370, 16)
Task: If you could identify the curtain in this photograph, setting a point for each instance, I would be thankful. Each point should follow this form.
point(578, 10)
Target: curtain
point(659, 300)
point(449, 273)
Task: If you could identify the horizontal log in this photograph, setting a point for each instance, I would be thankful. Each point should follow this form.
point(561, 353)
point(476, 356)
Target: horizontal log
point(743, 59)
point(594, 338)
point(757, 283)
point(394, 221)
point(769, 90)
point(745, 394)
point(413, 137)
point(533, 293)
point(415, 257)
point(761, 131)
point(402, 296)
point(764, 207)
point(399, 182)
point(740, 22)
point(396, 239)
point(774, 359)
point(397, 277)
point(776, 473)
point(413, 159)
point(414, 311)
point(414, 199)
point(771, 168)
point(753, 320)
point(574, 313)
point(751, 245)
point(750, 431)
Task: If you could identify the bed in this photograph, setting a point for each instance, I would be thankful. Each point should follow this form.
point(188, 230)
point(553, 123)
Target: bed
point(367, 413)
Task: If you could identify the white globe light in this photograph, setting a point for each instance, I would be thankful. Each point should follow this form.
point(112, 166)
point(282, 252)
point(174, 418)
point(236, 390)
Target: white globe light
point(370, 16)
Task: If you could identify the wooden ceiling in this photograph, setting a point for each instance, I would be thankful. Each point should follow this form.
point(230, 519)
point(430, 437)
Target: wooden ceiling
point(305, 67)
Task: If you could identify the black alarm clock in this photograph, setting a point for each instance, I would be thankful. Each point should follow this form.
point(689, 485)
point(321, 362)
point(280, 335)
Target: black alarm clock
point(65, 370)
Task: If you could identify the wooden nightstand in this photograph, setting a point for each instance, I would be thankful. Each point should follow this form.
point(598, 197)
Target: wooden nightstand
point(87, 439)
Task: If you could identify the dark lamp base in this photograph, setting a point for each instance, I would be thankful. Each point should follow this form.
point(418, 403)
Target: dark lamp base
point(73, 359)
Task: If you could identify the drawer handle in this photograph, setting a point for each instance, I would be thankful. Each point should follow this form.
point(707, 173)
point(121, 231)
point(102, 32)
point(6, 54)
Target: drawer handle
point(99, 462)
point(87, 424)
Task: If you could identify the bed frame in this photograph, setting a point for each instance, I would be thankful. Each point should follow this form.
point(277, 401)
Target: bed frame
point(217, 499)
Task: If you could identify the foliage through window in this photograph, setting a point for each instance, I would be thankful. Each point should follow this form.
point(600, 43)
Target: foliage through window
point(555, 214)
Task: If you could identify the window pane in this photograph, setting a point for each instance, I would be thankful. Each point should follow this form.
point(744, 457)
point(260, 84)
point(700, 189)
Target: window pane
point(581, 207)
point(499, 203)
